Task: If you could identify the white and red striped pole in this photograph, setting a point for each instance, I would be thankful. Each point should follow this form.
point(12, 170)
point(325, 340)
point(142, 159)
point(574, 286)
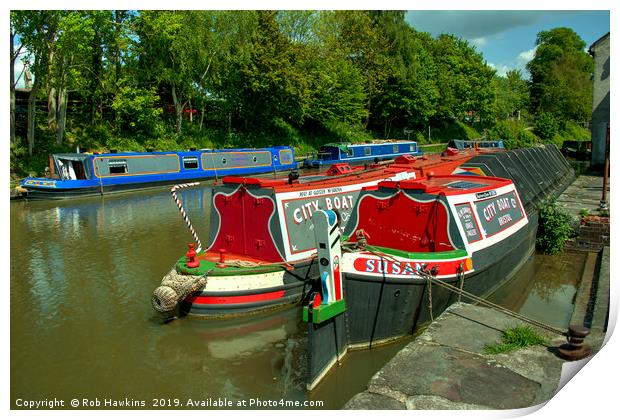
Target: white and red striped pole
point(176, 199)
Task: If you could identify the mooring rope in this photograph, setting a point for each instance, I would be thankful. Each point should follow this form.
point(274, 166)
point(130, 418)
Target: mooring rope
point(427, 276)
point(176, 199)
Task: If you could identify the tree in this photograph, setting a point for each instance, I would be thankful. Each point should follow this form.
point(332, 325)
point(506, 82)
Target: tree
point(560, 75)
point(71, 64)
point(365, 46)
point(409, 94)
point(512, 95)
point(464, 80)
point(167, 55)
point(14, 54)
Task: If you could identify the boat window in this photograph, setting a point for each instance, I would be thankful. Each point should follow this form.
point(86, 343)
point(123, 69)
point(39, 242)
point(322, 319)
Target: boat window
point(395, 148)
point(117, 166)
point(367, 151)
point(224, 161)
point(412, 148)
point(254, 159)
point(190, 162)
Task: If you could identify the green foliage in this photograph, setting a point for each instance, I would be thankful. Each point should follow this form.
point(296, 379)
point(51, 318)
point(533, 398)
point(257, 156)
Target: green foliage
point(554, 228)
point(124, 144)
point(257, 78)
point(584, 212)
point(337, 131)
point(512, 95)
point(136, 111)
point(464, 80)
point(571, 131)
point(546, 127)
point(514, 338)
point(561, 70)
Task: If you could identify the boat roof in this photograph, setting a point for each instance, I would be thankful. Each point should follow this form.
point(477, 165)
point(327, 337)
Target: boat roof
point(344, 145)
point(75, 156)
point(448, 184)
point(421, 165)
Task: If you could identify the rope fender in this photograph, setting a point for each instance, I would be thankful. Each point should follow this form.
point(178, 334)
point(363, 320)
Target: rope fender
point(175, 288)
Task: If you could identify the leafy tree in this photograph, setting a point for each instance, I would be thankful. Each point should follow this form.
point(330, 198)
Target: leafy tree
point(560, 75)
point(512, 95)
point(409, 95)
point(136, 110)
point(37, 30)
point(365, 46)
point(70, 56)
point(167, 56)
point(464, 80)
point(264, 84)
point(546, 127)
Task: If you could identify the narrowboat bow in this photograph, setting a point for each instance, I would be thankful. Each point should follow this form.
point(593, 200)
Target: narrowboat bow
point(261, 252)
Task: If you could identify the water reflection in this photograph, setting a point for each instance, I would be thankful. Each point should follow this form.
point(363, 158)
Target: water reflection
point(544, 288)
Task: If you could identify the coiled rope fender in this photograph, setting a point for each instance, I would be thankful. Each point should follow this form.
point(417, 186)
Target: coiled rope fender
point(175, 288)
point(176, 199)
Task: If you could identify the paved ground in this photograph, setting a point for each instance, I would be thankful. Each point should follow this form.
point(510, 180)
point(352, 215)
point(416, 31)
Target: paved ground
point(584, 193)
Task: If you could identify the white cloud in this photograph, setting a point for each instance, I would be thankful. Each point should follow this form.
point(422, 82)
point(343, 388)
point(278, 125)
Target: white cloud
point(525, 56)
point(19, 66)
point(479, 42)
point(501, 68)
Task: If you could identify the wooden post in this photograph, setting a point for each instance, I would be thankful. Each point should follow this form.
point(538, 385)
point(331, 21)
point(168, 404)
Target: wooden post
point(51, 165)
point(603, 204)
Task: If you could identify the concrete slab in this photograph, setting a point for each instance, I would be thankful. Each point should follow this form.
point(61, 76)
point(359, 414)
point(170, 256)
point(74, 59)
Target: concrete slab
point(455, 375)
point(368, 401)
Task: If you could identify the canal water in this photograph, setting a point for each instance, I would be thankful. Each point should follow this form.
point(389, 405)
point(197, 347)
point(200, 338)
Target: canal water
point(82, 273)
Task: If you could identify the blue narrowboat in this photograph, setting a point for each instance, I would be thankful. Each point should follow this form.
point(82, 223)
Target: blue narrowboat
point(332, 153)
point(476, 144)
point(81, 174)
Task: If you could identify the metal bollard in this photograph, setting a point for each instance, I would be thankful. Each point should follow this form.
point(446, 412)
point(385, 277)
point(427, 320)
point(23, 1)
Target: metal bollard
point(575, 349)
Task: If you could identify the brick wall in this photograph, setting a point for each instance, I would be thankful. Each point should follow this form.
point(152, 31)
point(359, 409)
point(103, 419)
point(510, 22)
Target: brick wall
point(592, 234)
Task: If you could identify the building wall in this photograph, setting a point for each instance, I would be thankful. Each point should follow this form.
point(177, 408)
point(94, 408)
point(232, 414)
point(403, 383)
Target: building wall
point(600, 105)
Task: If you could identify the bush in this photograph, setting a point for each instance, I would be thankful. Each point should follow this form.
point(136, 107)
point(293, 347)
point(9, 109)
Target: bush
point(514, 133)
point(546, 127)
point(554, 228)
point(344, 132)
point(136, 111)
point(518, 337)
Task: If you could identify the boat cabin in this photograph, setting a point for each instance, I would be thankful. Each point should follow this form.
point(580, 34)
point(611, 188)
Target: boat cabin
point(332, 153)
point(440, 214)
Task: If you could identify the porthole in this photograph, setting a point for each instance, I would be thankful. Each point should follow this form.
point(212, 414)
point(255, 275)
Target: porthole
point(254, 159)
point(223, 161)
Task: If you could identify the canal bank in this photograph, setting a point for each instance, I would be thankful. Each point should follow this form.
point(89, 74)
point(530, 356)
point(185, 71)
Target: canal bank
point(447, 368)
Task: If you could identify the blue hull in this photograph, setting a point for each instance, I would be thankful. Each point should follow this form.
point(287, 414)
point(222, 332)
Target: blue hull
point(333, 153)
point(86, 174)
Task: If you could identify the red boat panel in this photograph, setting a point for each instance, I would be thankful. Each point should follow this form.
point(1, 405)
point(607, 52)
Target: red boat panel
point(244, 225)
point(409, 225)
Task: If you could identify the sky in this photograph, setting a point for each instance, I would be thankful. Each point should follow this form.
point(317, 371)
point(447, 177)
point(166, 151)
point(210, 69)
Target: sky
point(507, 38)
